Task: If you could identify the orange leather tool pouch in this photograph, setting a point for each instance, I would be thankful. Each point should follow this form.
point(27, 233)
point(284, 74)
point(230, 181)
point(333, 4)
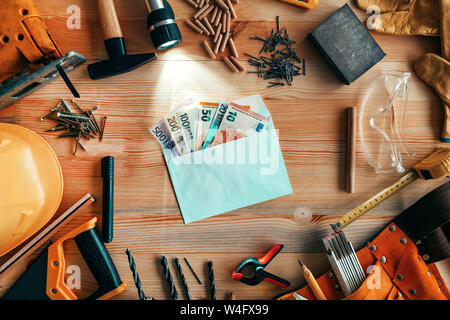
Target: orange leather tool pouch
point(24, 39)
point(399, 262)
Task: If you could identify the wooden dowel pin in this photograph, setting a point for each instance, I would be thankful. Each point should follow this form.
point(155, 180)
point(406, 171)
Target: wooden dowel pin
point(208, 49)
point(218, 43)
point(201, 26)
point(237, 63)
point(199, 12)
point(192, 3)
point(224, 42)
point(230, 64)
point(208, 26)
point(194, 27)
point(233, 47)
point(216, 37)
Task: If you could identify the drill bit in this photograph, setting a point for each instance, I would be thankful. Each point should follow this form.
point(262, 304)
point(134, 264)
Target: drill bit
point(136, 279)
point(169, 279)
point(212, 286)
point(183, 279)
point(192, 270)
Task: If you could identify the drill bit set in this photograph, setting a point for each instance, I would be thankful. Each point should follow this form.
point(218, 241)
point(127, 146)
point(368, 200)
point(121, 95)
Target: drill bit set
point(75, 124)
point(169, 279)
point(283, 60)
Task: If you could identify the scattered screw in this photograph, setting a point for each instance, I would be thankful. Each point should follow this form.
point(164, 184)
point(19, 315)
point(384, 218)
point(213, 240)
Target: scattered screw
point(81, 124)
point(103, 128)
point(71, 116)
point(283, 58)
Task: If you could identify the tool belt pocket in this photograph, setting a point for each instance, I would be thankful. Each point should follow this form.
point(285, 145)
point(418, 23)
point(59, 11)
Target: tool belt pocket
point(377, 286)
point(399, 261)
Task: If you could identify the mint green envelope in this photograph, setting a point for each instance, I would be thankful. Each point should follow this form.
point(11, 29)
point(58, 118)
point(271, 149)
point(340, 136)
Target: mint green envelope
point(230, 176)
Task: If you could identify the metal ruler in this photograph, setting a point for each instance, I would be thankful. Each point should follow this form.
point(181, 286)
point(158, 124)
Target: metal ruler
point(374, 201)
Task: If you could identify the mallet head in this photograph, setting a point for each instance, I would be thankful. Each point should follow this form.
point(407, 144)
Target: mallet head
point(118, 65)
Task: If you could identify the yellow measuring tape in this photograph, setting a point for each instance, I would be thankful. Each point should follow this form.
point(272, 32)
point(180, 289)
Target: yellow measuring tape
point(436, 165)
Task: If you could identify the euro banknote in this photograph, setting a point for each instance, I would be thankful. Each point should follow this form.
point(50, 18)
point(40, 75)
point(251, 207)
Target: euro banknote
point(192, 127)
point(207, 111)
point(239, 122)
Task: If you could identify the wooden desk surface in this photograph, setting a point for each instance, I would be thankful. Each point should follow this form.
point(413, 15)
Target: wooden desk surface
point(310, 118)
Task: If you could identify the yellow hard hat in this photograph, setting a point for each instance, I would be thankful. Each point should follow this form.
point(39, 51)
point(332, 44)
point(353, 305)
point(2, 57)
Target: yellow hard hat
point(31, 185)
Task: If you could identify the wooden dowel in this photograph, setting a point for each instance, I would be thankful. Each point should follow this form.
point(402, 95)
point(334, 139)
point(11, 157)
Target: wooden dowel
point(224, 42)
point(203, 9)
point(217, 46)
point(233, 47)
point(230, 64)
point(351, 149)
point(218, 18)
point(230, 6)
point(191, 2)
point(228, 28)
point(201, 26)
point(219, 28)
point(222, 5)
point(204, 14)
point(194, 27)
point(214, 14)
point(208, 49)
point(208, 26)
point(237, 63)
point(224, 22)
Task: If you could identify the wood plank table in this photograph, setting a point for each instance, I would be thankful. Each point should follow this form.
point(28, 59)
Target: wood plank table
point(310, 117)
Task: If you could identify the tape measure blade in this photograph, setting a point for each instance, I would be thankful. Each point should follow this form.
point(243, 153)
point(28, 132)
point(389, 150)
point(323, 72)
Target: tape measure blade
point(383, 195)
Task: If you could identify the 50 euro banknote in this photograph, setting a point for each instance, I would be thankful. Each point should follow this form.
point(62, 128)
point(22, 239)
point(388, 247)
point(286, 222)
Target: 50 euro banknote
point(206, 114)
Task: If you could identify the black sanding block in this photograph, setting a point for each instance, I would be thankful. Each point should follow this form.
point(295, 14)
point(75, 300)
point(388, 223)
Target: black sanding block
point(346, 45)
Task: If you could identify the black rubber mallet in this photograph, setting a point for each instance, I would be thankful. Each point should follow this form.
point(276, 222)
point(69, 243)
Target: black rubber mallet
point(119, 62)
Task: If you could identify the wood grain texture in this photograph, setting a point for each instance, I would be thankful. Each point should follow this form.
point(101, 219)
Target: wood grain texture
point(310, 117)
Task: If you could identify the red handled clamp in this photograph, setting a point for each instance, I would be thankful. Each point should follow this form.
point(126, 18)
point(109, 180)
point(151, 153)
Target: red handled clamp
point(256, 268)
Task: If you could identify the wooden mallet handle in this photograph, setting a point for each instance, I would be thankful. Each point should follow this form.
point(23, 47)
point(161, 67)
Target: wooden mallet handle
point(108, 19)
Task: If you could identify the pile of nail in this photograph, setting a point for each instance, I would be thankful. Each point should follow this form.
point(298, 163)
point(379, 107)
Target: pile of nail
point(213, 19)
point(282, 62)
point(79, 124)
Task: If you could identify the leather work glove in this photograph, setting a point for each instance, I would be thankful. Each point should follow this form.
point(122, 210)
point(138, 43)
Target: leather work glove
point(24, 38)
point(435, 70)
point(421, 17)
point(405, 17)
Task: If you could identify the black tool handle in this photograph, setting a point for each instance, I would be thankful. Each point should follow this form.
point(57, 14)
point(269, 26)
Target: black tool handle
point(99, 262)
point(107, 165)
